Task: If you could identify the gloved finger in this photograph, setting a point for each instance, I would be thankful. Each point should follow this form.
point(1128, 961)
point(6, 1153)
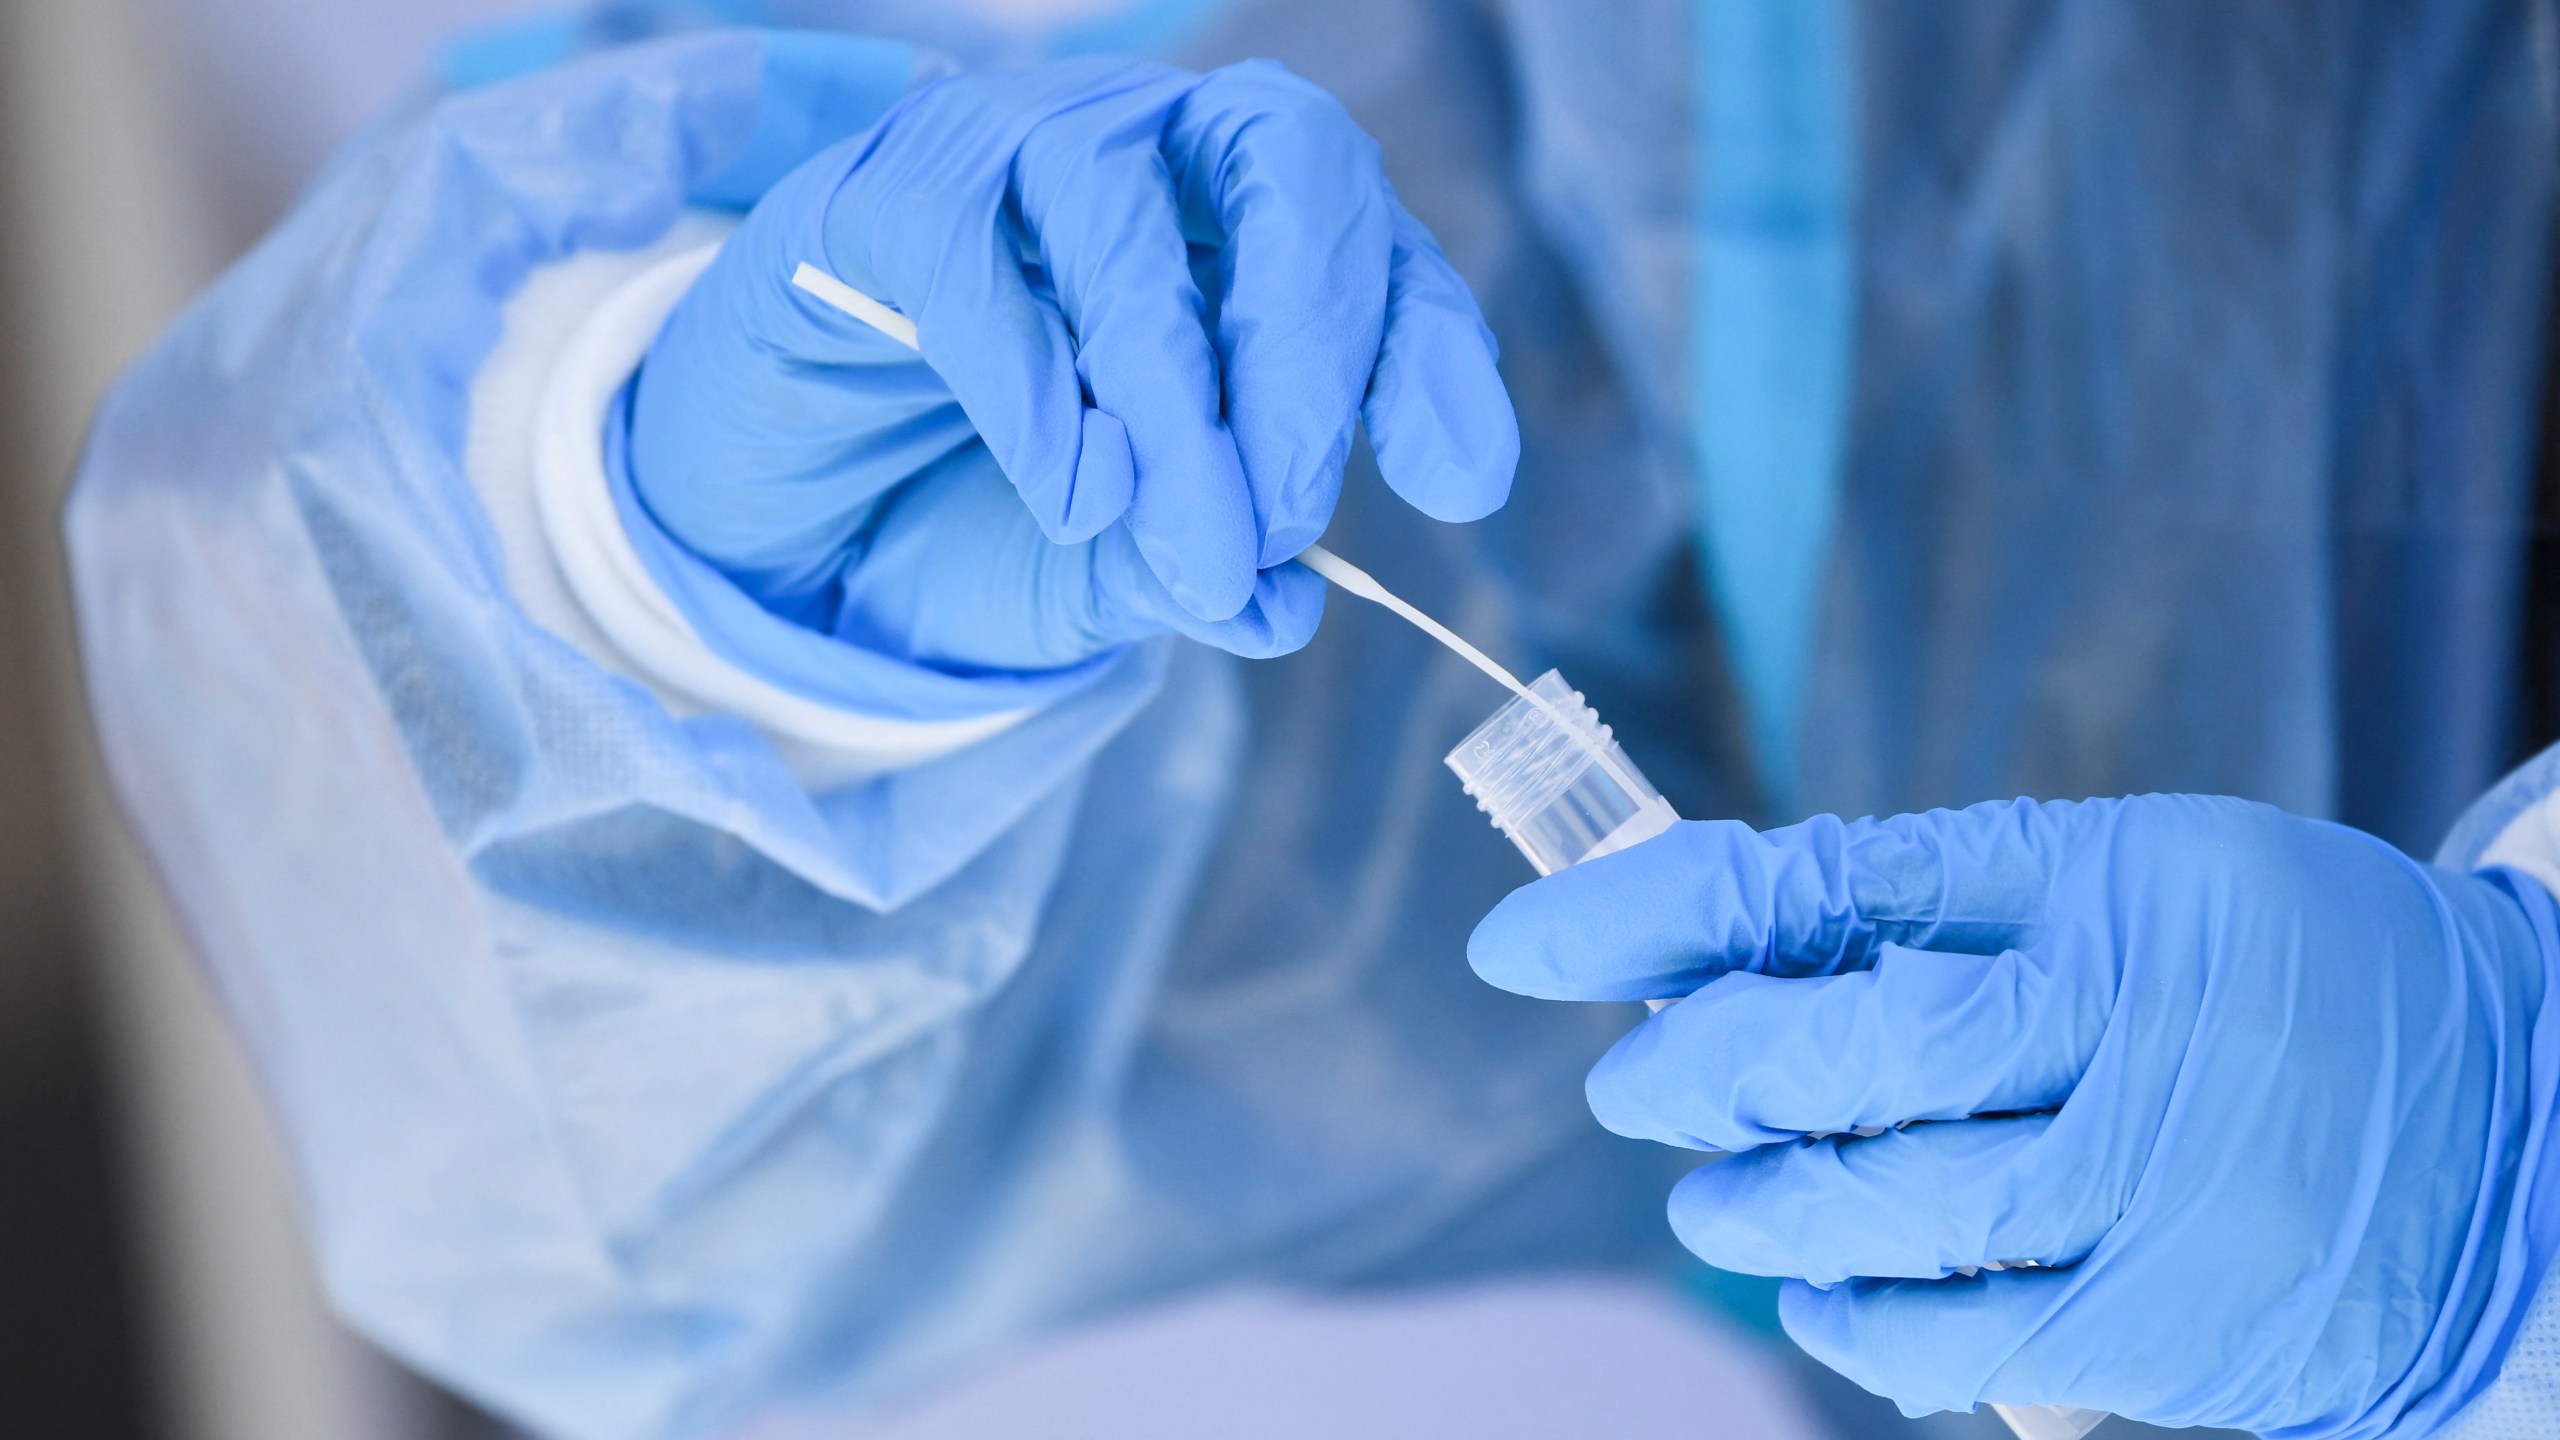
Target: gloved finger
point(1100, 208)
point(1275, 175)
point(1923, 1035)
point(953, 572)
point(764, 423)
point(1280, 616)
point(915, 218)
point(1442, 424)
point(1012, 599)
point(1947, 1344)
point(1705, 898)
point(1919, 1202)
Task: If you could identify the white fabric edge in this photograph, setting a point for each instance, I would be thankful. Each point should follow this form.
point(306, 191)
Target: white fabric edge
point(2530, 843)
point(613, 586)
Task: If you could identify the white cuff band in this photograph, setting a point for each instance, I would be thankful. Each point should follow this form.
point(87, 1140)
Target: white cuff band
point(614, 587)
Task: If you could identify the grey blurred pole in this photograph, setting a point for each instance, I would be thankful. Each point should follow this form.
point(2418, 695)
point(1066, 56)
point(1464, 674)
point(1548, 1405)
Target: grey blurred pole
point(106, 241)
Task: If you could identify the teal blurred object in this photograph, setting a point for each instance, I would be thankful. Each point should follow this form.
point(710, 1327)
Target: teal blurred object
point(1774, 343)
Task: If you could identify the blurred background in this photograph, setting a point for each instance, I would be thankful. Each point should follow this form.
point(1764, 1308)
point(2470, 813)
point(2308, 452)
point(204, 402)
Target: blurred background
point(153, 1285)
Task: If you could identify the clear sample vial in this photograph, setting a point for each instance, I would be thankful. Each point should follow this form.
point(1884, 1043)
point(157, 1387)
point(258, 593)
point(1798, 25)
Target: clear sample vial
point(1547, 772)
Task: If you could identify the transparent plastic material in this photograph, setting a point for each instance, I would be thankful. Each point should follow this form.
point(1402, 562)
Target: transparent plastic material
point(2049, 1422)
point(1551, 778)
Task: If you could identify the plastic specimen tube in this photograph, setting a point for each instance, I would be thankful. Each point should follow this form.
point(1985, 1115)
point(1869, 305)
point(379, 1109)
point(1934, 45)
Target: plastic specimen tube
point(1551, 777)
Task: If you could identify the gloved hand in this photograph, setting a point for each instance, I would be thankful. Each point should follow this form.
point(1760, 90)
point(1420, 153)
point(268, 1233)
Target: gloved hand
point(1155, 301)
point(2256, 1086)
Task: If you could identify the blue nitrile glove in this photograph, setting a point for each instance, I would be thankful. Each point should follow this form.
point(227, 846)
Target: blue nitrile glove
point(2258, 1084)
point(1171, 453)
